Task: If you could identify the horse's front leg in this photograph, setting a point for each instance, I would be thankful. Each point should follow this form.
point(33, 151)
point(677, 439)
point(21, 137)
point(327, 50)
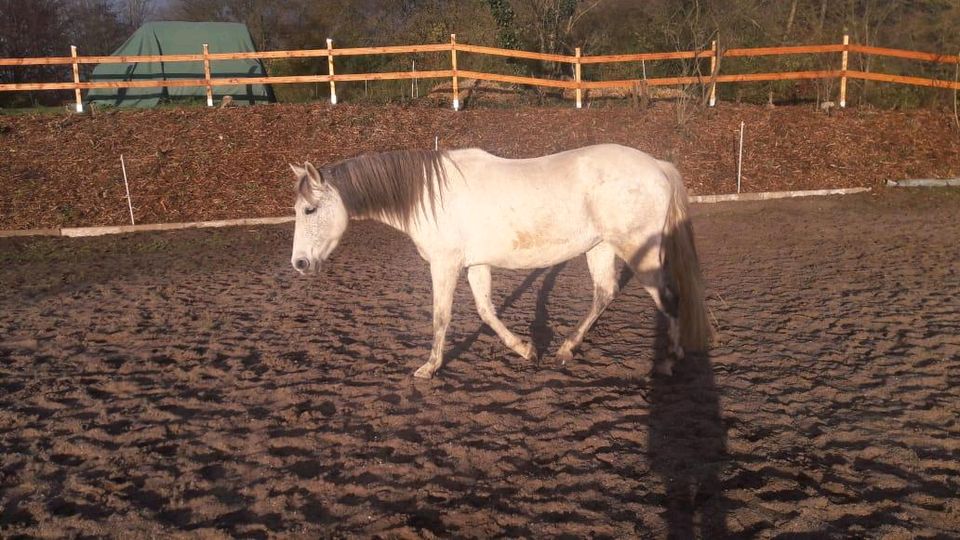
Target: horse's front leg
point(444, 277)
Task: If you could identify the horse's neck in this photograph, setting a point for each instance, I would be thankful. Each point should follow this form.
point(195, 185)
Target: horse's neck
point(380, 218)
point(423, 219)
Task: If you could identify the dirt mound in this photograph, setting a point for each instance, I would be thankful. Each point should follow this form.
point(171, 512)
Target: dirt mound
point(198, 164)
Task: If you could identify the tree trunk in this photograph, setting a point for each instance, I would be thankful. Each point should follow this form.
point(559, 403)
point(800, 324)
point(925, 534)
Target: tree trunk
point(823, 17)
point(790, 18)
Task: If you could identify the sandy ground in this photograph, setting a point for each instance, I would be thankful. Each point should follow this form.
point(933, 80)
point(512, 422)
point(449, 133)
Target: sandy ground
point(190, 384)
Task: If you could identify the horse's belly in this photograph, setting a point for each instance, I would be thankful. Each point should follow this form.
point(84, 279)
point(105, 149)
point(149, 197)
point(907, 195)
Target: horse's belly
point(527, 225)
point(530, 250)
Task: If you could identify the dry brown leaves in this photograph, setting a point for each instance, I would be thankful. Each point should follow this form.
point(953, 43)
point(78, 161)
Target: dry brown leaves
point(199, 164)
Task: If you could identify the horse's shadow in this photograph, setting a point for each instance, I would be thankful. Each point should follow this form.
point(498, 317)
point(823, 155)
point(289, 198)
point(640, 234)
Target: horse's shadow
point(687, 442)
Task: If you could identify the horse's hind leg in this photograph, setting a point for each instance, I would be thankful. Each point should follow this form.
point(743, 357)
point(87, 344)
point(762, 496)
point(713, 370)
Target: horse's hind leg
point(479, 278)
point(601, 260)
point(644, 259)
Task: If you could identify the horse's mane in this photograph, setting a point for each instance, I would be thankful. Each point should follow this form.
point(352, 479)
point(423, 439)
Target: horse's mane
point(388, 184)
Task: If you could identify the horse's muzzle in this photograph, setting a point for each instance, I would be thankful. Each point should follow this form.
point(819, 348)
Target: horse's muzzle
point(305, 265)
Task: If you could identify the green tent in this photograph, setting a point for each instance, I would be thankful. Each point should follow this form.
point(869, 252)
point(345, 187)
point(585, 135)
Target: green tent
point(158, 38)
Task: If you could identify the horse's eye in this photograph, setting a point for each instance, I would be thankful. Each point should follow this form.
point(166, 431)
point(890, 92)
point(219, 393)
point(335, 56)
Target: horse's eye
point(309, 211)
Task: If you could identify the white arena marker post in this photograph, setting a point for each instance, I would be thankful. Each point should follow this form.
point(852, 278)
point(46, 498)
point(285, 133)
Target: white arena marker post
point(740, 158)
point(127, 185)
point(333, 85)
point(414, 82)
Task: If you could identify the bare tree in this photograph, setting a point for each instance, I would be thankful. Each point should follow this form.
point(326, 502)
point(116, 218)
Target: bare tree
point(133, 13)
point(93, 26)
point(262, 17)
point(866, 19)
point(549, 25)
point(790, 18)
point(37, 31)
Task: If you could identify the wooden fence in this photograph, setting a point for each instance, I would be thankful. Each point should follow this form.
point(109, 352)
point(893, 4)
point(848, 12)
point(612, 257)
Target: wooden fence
point(579, 85)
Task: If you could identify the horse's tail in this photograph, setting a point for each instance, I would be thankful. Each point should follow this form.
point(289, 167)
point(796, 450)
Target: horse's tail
point(683, 265)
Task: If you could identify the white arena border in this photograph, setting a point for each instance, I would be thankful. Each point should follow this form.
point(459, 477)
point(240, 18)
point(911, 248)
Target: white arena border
point(75, 232)
point(925, 182)
point(767, 195)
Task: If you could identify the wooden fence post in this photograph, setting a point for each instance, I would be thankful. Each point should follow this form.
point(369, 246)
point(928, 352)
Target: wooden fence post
point(579, 80)
point(644, 95)
point(843, 71)
point(453, 63)
point(76, 78)
point(333, 85)
point(206, 74)
point(713, 73)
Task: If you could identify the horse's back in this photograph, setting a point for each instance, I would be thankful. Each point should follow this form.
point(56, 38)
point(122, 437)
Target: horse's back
point(524, 213)
point(582, 168)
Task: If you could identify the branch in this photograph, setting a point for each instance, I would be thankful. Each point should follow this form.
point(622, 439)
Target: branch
point(579, 15)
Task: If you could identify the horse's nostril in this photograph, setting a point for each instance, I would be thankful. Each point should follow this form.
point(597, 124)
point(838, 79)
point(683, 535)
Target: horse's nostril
point(301, 264)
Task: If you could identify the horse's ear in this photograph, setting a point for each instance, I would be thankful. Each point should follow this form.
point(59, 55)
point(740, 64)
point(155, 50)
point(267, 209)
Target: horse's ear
point(298, 171)
point(315, 177)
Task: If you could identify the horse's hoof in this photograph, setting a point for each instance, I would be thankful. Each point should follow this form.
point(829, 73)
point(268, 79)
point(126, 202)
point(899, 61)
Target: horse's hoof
point(424, 372)
point(663, 368)
point(564, 356)
point(527, 351)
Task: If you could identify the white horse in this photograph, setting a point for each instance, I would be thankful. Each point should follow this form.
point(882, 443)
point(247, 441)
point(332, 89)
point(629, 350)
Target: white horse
point(468, 208)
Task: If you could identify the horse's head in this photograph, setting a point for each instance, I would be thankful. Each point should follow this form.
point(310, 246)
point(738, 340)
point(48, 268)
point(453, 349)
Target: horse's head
point(320, 222)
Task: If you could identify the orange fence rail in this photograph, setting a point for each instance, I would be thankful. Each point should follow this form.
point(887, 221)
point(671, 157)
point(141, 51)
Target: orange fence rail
point(578, 60)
